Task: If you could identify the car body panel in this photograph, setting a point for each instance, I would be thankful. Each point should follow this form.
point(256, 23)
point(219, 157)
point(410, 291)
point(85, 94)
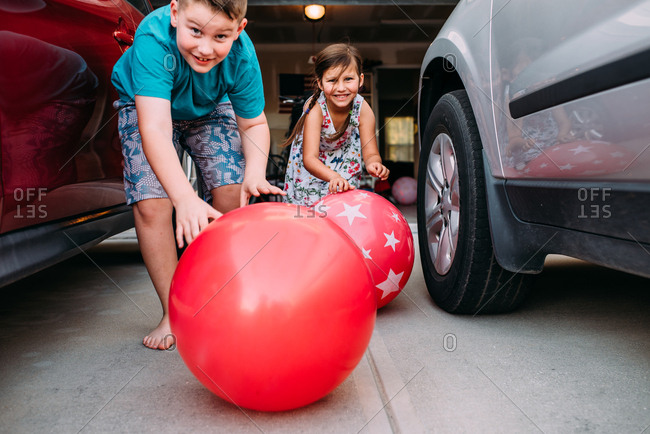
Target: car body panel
point(61, 155)
point(547, 50)
point(61, 180)
point(458, 48)
point(463, 41)
point(574, 93)
point(522, 246)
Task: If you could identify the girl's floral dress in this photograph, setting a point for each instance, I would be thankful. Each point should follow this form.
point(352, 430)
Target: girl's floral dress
point(343, 156)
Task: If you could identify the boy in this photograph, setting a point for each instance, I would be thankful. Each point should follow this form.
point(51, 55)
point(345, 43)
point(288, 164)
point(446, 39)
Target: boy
point(191, 80)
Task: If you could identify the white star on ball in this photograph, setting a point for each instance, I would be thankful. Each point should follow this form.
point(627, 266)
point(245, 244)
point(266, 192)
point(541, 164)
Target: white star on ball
point(351, 212)
point(391, 284)
point(391, 240)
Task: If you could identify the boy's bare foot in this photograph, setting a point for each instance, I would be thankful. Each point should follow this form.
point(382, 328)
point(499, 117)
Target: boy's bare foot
point(160, 338)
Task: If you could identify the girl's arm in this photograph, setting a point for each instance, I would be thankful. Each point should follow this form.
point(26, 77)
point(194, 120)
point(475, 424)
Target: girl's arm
point(311, 150)
point(369, 148)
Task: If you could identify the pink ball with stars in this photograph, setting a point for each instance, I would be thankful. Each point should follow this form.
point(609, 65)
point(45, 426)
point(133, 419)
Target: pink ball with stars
point(380, 231)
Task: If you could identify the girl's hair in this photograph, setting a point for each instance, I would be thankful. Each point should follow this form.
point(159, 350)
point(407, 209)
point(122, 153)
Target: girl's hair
point(334, 56)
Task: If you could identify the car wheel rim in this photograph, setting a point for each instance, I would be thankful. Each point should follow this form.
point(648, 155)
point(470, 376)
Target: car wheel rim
point(441, 201)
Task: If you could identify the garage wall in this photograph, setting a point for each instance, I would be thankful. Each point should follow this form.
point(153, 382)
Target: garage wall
point(292, 59)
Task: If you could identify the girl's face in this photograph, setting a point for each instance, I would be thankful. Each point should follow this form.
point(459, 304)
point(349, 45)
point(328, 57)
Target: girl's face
point(204, 38)
point(340, 86)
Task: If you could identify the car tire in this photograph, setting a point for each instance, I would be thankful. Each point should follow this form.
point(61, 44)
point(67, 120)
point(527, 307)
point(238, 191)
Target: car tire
point(458, 261)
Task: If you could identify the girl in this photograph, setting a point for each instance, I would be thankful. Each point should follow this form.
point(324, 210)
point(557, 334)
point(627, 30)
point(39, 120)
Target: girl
point(335, 130)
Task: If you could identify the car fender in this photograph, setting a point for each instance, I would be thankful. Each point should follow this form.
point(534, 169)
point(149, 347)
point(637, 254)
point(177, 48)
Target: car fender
point(450, 64)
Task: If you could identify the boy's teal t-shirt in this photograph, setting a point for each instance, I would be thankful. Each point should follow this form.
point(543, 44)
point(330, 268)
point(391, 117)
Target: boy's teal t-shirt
point(153, 66)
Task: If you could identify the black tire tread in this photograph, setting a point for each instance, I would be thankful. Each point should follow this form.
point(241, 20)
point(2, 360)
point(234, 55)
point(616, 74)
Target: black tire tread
point(481, 285)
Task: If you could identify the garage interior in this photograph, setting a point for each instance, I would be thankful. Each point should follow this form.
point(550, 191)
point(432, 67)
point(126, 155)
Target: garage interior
point(392, 36)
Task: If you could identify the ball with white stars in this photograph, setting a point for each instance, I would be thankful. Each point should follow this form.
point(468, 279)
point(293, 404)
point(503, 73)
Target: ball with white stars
point(382, 234)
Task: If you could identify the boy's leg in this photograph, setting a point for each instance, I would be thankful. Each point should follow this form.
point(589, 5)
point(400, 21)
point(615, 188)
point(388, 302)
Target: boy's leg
point(214, 144)
point(226, 197)
point(152, 212)
point(153, 225)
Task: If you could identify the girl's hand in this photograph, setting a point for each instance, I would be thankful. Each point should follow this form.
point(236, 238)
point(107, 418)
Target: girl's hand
point(339, 184)
point(378, 170)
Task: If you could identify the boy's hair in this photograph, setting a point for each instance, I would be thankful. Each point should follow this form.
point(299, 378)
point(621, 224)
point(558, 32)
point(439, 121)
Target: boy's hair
point(234, 9)
point(333, 56)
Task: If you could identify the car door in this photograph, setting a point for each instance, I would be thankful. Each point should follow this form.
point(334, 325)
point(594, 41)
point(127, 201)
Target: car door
point(61, 155)
point(570, 110)
point(569, 81)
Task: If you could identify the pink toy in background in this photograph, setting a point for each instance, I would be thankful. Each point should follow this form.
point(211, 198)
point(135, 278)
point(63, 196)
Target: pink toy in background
point(405, 190)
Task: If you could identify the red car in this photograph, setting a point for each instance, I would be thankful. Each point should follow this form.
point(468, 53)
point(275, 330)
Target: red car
point(61, 174)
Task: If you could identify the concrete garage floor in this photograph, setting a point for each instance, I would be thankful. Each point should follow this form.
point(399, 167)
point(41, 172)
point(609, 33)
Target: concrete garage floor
point(575, 358)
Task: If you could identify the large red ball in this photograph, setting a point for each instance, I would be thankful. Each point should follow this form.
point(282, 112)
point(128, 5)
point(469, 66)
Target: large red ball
point(272, 307)
point(382, 234)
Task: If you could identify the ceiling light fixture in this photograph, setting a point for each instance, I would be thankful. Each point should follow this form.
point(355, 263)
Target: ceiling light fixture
point(314, 12)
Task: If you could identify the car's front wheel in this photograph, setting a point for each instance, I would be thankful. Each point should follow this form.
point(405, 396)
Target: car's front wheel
point(458, 262)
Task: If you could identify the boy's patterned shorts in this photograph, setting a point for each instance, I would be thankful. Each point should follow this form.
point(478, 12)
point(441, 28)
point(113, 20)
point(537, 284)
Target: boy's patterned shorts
point(212, 141)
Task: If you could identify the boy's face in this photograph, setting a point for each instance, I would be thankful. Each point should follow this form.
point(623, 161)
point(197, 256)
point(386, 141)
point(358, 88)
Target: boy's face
point(204, 37)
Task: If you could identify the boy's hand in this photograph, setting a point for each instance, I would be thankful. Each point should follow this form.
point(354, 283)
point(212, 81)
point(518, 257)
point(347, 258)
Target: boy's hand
point(378, 170)
point(255, 188)
point(339, 184)
point(192, 216)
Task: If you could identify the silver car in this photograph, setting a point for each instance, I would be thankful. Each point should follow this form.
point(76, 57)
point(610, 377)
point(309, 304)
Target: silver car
point(535, 139)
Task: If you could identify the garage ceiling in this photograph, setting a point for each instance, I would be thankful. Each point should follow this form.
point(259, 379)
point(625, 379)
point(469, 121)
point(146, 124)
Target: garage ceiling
point(360, 21)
